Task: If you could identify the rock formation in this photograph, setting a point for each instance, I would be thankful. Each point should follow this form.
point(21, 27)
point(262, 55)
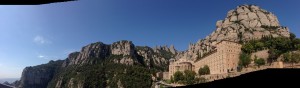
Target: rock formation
point(244, 23)
point(39, 76)
point(124, 52)
point(157, 56)
point(94, 50)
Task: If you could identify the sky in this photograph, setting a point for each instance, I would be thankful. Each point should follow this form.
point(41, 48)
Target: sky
point(35, 34)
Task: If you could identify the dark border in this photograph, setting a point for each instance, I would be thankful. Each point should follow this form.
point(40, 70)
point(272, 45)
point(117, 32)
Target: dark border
point(31, 2)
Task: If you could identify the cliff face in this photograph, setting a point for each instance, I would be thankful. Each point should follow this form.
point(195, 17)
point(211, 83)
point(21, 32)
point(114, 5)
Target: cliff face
point(156, 57)
point(124, 52)
point(94, 50)
point(244, 23)
point(39, 76)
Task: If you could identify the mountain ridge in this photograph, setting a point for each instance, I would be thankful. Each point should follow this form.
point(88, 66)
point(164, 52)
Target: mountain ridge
point(244, 23)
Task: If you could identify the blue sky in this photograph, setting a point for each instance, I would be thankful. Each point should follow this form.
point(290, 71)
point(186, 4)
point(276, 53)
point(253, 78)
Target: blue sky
point(33, 35)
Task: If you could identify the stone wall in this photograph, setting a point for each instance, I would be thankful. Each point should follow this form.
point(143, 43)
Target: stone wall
point(166, 75)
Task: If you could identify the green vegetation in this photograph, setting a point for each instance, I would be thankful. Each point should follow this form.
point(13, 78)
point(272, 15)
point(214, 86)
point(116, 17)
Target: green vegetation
point(276, 46)
point(104, 74)
point(188, 77)
point(295, 58)
point(237, 22)
point(166, 54)
point(291, 57)
point(178, 76)
point(204, 71)
point(286, 57)
point(259, 62)
point(200, 80)
point(269, 27)
point(172, 79)
point(162, 53)
point(245, 59)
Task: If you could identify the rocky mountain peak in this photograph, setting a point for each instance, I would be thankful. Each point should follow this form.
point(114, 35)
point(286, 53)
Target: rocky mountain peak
point(247, 22)
point(123, 47)
point(244, 23)
point(171, 49)
point(251, 16)
point(124, 52)
point(93, 50)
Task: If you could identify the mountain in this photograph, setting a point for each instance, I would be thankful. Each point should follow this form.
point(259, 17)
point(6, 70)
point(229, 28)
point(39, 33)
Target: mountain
point(110, 59)
point(39, 76)
point(4, 86)
point(122, 64)
point(123, 52)
point(244, 23)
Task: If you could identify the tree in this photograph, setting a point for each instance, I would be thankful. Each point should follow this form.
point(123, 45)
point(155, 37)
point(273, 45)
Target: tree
point(286, 57)
point(292, 36)
point(204, 71)
point(189, 77)
point(178, 76)
point(259, 62)
point(297, 47)
point(296, 43)
point(273, 54)
point(295, 58)
point(172, 79)
point(248, 48)
point(245, 59)
point(259, 45)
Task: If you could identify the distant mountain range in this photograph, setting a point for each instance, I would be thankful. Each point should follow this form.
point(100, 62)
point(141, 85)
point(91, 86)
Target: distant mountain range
point(9, 80)
point(4, 86)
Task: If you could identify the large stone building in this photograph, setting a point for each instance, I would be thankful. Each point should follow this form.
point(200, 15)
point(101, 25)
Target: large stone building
point(223, 59)
point(180, 65)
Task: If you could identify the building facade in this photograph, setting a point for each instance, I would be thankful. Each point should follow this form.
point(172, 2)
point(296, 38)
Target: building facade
point(223, 59)
point(180, 65)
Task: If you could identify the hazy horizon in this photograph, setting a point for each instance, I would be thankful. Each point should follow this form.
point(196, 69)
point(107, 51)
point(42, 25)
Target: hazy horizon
point(10, 80)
